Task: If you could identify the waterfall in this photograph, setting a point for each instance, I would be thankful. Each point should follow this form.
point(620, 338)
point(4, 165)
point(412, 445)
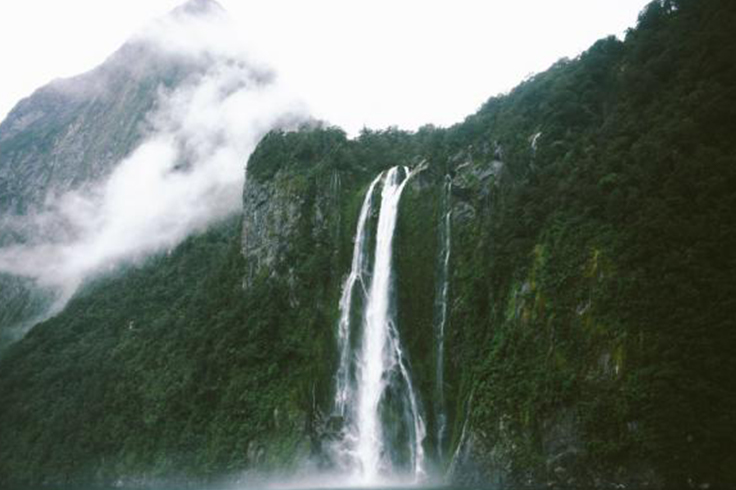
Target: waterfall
point(356, 277)
point(441, 298)
point(375, 385)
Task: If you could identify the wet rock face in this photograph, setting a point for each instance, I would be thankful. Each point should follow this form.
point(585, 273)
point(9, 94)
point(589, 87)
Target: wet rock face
point(284, 217)
point(492, 461)
point(271, 214)
point(472, 184)
point(473, 465)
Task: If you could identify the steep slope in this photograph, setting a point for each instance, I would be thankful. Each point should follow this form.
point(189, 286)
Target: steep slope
point(217, 355)
point(73, 131)
point(611, 323)
point(69, 135)
point(590, 307)
point(589, 332)
point(78, 152)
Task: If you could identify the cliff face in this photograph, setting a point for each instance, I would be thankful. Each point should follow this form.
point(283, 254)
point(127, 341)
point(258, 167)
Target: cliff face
point(271, 216)
point(573, 271)
point(280, 215)
point(245, 335)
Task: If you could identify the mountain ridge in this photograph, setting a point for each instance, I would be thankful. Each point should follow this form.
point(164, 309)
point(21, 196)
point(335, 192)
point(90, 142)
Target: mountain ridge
point(66, 150)
point(589, 334)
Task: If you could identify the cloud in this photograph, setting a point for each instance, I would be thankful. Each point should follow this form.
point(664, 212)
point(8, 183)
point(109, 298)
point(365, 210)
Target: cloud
point(187, 173)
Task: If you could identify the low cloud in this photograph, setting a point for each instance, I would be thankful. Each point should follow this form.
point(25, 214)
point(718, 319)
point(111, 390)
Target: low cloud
point(187, 173)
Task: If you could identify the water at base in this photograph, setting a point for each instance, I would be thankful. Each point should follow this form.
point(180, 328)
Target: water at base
point(265, 486)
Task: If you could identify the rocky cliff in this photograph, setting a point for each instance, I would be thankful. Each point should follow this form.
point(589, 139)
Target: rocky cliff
point(589, 332)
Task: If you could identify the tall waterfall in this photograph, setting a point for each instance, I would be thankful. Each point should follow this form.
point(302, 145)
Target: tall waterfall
point(357, 276)
point(441, 298)
point(383, 425)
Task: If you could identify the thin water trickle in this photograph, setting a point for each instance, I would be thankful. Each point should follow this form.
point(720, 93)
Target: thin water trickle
point(441, 299)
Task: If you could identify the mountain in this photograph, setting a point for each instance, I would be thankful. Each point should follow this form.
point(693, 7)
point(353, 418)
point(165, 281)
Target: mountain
point(73, 131)
point(561, 288)
point(65, 137)
point(64, 148)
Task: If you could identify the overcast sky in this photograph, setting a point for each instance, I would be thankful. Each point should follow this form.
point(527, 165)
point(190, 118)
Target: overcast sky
point(355, 63)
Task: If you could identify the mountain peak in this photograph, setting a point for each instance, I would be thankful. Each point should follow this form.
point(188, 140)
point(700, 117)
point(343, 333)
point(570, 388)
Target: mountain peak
point(199, 8)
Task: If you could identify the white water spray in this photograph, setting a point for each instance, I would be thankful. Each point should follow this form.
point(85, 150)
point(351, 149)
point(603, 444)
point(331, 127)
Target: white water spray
point(381, 361)
point(356, 277)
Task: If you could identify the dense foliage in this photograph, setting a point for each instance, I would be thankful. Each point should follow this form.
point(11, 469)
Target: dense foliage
point(591, 328)
point(619, 240)
point(169, 367)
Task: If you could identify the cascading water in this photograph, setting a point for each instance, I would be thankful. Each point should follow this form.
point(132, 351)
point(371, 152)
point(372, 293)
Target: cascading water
point(375, 386)
point(441, 298)
point(356, 277)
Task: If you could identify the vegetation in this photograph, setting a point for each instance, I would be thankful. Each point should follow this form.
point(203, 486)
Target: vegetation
point(592, 292)
point(609, 253)
point(170, 366)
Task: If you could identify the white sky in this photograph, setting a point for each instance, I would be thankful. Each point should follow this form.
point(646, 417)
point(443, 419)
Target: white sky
point(356, 63)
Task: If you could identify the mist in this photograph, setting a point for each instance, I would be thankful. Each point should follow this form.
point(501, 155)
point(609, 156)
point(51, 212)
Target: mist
point(187, 173)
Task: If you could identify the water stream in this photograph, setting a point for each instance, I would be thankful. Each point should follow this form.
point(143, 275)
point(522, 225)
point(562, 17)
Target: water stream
point(441, 298)
point(384, 428)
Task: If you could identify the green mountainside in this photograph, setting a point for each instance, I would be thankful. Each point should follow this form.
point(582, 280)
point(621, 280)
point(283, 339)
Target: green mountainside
point(592, 300)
